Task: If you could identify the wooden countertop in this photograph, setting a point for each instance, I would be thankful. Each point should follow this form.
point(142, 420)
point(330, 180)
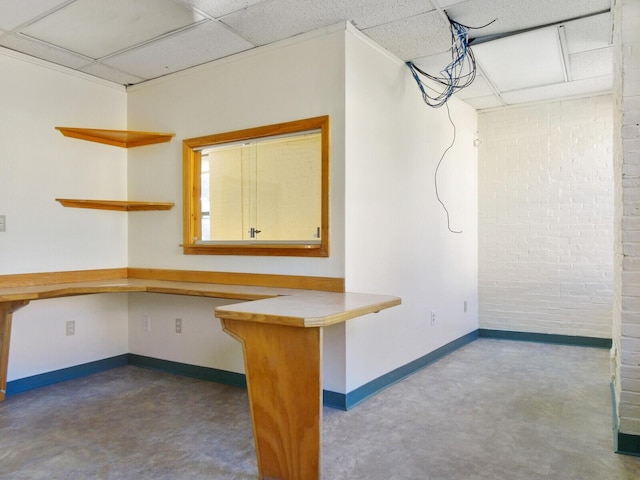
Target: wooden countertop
point(281, 306)
point(308, 309)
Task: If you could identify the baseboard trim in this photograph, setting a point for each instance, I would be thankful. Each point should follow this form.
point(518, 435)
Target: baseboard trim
point(225, 377)
point(331, 399)
point(186, 370)
point(49, 378)
point(576, 341)
point(627, 444)
point(353, 398)
point(623, 443)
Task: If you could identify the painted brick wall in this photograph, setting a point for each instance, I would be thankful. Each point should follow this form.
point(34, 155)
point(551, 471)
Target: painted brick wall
point(626, 314)
point(546, 218)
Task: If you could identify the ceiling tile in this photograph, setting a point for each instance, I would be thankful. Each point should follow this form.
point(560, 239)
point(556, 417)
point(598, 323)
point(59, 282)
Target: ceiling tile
point(433, 64)
point(590, 86)
point(203, 43)
point(479, 88)
point(514, 15)
point(412, 29)
point(489, 101)
point(414, 37)
point(96, 28)
point(274, 20)
point(14, 13)
point(447, 3)
point(218, 8)
point(595, 63)
point(111, 74)
point(523, 60)
point(588, 33)
point(43, 51)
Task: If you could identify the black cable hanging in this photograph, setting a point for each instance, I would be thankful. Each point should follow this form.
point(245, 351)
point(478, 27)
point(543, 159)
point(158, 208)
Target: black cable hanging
point(460, 73)
point(435, 175)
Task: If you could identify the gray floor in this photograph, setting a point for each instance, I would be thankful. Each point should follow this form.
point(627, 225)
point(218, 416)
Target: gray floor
point(494, 409)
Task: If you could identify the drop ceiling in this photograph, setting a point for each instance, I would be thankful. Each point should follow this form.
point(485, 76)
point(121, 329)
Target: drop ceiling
point(532, 51)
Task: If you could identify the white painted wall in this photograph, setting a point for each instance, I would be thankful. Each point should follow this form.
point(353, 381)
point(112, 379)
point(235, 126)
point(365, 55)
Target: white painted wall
point(546, 218)
point(297, 79)
point(37, 165)
point(39, 343)
point(626, 316)
point(293, 80)
point(397, 241)
point(202, 341)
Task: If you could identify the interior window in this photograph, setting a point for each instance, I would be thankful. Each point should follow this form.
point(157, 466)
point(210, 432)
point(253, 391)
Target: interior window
point(260, 191)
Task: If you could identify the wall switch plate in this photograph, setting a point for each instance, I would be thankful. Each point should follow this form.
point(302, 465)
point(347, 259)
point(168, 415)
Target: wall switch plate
point(178, 325)
point(146, 323)
point(71, 327)
point(433, 317)
point(3, 223)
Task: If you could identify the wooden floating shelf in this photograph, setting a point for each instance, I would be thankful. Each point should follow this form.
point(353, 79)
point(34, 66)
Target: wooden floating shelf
point(119, 205)
point(118, 138)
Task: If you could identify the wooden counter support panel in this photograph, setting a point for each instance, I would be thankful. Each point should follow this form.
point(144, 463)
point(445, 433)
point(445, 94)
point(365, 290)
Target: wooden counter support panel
point(283, 367)
point(6, 312)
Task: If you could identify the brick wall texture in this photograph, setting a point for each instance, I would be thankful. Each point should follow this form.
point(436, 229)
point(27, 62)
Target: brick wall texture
point(626, 306)
point(546, 218)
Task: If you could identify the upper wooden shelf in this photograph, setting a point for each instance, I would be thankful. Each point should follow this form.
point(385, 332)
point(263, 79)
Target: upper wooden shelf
point(118, 138)
point(122, 206)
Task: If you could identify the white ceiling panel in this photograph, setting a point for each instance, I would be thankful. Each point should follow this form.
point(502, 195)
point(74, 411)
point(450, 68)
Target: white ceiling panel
point(595, 63)
point(274, 20)
point(96, 28)
point(14, 13)
point(562, 90)
point(514, 15)
point(415, 36)
point(523, 60)
point(481, 103)
point(479, 88)
point(197, 45)
point(433, 64)
point(219, 8)
point(589, 33)
point(44, 51)
point(447, 3)
point(102, 71)
point(131, 41)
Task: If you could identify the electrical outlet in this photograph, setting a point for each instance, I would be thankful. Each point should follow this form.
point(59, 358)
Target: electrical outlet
point(146, 323)
point(3, 223)
point(433, 317)
point(465, 306)
point(71, 327)
point(178, 325)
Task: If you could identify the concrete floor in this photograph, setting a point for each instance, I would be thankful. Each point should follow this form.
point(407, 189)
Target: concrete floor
point(494, 410)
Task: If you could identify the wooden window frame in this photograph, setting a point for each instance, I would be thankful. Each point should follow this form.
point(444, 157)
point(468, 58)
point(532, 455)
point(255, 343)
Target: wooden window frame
point(191, 192)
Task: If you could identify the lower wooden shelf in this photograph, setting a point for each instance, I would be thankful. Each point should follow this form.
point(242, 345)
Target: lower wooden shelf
point(119, 205)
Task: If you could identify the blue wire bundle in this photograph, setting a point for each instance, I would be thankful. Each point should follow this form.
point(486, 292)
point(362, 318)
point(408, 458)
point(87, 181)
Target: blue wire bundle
point(460, 73)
